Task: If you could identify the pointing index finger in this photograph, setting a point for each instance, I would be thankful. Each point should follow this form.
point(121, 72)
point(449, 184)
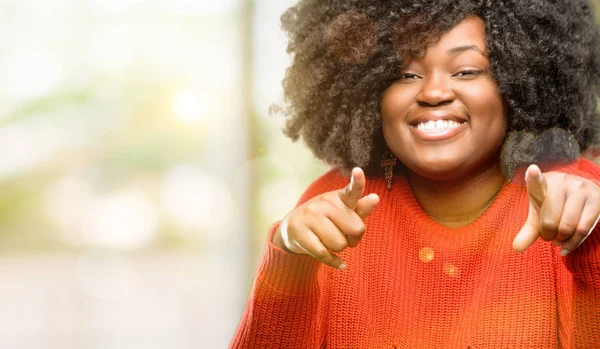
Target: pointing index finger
point(354, 190)
point(536, 185)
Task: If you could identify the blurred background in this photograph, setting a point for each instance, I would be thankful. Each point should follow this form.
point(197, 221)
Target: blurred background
point(139, 168)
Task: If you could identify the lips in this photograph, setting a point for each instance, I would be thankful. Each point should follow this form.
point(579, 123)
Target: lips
point(434, 116)
point(437, 125)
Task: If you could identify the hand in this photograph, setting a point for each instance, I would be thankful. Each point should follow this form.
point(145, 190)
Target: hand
point(328, 223)
point(563, 209)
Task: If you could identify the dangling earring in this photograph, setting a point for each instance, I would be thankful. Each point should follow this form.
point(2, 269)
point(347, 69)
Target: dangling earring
point(511, 171)
point(387, 163)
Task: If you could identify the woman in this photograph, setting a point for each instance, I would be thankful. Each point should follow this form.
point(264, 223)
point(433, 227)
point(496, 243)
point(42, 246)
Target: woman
point(452, 236)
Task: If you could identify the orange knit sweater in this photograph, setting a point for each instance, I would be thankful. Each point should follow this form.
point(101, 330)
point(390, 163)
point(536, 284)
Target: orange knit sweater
point(413, 283)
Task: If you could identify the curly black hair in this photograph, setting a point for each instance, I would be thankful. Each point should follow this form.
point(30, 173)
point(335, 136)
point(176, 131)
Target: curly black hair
point(543, 55)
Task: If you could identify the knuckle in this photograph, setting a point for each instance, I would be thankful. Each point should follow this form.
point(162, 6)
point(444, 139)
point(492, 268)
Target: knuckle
point(576, 186)
point(339, 245)
point(312, 209)
point(549, 225)
point(581, 233)
point(304, 210)
point(361, 228)
point(293, 225)
point(353, 241)
point(562, 236)
point(566, 227)
point(326, 199)
point(569, 178)
point(327, 203)
point(357, 229)
point(321, 253)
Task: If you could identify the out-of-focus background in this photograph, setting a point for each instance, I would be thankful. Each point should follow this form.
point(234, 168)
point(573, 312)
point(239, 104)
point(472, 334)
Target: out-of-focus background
point(139, 168)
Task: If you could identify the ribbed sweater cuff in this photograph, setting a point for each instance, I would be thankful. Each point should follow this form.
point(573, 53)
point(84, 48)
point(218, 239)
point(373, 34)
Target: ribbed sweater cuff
point(285, 272)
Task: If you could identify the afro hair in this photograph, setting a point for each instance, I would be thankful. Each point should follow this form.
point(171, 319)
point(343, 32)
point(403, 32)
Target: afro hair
point(543, 55)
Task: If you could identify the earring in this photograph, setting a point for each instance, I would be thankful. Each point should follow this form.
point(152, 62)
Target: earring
point(511, 171)
point(387, 163)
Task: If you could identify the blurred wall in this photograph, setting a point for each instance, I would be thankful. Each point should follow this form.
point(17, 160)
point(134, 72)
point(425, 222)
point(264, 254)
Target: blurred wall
point(139, 168)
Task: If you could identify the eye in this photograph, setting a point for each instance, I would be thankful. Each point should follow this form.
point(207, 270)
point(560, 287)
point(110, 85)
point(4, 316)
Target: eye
point(468, 74)
point(408, 76)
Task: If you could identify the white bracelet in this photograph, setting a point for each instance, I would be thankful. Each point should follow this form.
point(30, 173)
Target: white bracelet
point(283, 228)
point(593, 226)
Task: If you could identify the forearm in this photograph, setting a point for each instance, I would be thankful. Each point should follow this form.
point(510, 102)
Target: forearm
point(584, 265)
point(282, 310)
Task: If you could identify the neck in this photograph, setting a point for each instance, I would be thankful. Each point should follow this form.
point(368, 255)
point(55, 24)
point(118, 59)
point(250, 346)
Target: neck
point(459, 202)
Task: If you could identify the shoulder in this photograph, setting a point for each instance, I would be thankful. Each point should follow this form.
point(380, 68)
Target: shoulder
point(582, 167)
point(589, 166)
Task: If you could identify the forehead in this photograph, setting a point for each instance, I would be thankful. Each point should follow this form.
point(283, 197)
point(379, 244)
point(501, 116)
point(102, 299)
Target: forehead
point(470, 31)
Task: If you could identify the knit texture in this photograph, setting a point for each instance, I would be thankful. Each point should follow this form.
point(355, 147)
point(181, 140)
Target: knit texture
point(413, 283)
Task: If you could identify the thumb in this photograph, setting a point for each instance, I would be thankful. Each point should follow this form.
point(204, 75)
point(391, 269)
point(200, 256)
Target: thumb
point(354, 190)
point(530, 231)
point(536, 186)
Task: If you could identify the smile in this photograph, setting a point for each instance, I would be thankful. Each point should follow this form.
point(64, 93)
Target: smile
point(437, 126)
point(437, 130)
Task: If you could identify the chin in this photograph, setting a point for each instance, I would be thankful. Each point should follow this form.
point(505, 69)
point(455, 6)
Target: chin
point(440, 174)
point(440, 169)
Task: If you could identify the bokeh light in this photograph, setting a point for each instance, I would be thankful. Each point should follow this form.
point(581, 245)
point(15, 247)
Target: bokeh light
point(189, 107)
point(451, 270)
point(140, 169)
point(121, 220)
point(196, 201)
point(426, 254)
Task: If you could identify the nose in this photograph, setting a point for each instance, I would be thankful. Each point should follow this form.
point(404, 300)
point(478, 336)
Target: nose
point(435, 91)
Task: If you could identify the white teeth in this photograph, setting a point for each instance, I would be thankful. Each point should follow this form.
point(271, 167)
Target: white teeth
point(437, 125)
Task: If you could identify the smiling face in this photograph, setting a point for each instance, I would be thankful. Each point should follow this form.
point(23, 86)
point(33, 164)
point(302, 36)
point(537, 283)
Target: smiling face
point(445, 117)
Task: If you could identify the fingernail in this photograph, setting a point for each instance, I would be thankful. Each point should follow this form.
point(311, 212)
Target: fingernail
point(564, 252)
point(556, 243)
point(342, 266)
point(351, 181)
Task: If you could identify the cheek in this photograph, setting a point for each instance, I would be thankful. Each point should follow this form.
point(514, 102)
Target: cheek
point(394, 108)
point(395, 101)
point(486, 106)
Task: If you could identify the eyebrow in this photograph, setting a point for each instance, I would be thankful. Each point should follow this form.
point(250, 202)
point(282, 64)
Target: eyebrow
point(464, 48)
